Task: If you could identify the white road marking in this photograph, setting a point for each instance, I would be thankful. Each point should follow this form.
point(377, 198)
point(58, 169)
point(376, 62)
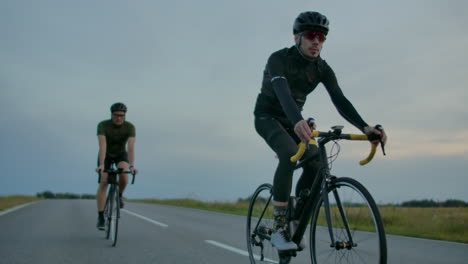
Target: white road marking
point(145, 218)
point(236, 250)
point(15, 208)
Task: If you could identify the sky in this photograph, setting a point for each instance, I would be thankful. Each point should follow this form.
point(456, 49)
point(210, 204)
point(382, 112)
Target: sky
point(190, 72)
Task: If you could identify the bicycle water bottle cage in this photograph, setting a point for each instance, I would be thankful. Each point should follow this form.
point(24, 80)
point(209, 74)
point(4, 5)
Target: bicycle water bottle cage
point(337, 129)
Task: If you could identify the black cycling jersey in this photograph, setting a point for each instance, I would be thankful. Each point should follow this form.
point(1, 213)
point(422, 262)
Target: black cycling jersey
point(287, 80)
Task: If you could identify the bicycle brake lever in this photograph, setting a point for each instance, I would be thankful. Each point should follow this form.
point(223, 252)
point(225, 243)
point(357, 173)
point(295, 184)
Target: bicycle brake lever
point(383, 147)
point(380, 128)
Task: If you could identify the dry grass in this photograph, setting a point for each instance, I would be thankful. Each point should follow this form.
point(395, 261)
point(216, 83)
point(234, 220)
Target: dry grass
point(12, 201)
point(434, 223)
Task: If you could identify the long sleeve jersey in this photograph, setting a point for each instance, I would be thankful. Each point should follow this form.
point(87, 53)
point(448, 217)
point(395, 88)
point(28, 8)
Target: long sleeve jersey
point(287, 80)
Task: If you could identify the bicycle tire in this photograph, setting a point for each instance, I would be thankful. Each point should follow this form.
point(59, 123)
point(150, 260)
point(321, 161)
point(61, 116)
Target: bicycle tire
point(115, 215)
point(364, 221)
point(260, 226)
point(107, 213)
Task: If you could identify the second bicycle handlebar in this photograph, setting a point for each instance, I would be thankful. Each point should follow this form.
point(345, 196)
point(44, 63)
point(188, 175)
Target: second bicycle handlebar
point(333, 135)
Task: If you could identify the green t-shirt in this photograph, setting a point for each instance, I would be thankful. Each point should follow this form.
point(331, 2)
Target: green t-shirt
point(116, 136)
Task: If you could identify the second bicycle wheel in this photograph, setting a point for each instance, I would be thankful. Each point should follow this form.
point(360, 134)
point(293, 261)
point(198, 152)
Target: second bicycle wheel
point(357, 228)
point(260, 226)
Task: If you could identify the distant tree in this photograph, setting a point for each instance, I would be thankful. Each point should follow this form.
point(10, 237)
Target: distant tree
point(420, 203)
point(88, 196)
point(432, 203)
point(242, 200)
point(67, 196)
point(46, 195)
point(454, 203)
point(51, 195)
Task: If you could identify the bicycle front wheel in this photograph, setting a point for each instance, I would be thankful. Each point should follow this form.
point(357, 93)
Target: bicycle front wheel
point(115, 215)
point(356, 234)
point(260, 226)
point(108, 213)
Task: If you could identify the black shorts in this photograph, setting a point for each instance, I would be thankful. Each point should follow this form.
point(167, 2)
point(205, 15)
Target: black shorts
point(117, 159)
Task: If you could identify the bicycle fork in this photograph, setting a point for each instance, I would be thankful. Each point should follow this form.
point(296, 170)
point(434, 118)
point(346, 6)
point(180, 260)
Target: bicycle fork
point(349, 244)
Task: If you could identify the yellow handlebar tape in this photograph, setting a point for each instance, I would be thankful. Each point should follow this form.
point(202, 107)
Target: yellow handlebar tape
point(358, 137)
point(302, 149)
point(371, 155)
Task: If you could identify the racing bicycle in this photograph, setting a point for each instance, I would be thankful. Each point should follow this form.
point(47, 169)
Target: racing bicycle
point(112, 208)
point(345, 223)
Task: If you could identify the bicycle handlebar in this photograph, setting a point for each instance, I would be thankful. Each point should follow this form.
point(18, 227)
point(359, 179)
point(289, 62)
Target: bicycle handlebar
point(302, 145)
point(113, 171)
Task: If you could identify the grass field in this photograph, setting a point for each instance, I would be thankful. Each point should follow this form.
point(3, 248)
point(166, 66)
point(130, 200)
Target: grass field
point(450, 224)
point(12, 201)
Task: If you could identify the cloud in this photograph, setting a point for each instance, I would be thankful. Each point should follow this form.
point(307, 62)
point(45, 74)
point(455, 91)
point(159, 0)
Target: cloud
point(429, 144)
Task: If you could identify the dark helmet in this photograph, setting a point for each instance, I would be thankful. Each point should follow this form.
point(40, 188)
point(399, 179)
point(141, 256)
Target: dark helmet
point(118, 107)
point(307, 21)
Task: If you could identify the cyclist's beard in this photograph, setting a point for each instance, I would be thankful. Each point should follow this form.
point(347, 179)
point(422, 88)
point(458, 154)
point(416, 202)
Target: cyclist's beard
point(299, 49)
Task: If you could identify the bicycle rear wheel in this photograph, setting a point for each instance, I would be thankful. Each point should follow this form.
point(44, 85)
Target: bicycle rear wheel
point(364, 243)
point(260, 226)
point(115, 215)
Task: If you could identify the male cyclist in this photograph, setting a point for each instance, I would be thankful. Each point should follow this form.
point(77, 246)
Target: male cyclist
point(290, 75)
point(113, 136)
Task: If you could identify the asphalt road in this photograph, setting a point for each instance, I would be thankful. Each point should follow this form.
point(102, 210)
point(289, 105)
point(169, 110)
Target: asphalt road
point(64, 231)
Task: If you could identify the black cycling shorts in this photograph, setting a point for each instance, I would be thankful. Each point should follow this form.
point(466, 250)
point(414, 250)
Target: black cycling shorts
point(117, 159)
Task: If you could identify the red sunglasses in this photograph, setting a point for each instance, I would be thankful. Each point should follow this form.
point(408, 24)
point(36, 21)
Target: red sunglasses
point(311, 35)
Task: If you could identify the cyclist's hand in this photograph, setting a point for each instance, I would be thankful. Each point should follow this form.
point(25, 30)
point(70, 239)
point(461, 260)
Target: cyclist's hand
point(100, 169)
point(374, 131)
point(302, 130)
point(133, 170)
